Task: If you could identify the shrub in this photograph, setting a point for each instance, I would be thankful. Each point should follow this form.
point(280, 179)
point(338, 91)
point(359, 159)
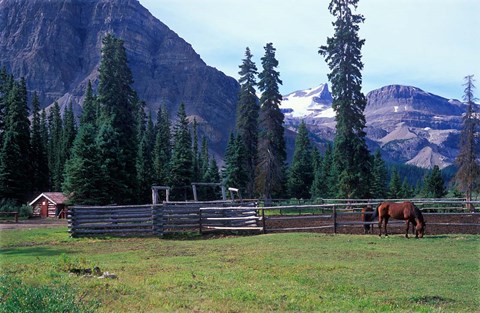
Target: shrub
point(11, 205)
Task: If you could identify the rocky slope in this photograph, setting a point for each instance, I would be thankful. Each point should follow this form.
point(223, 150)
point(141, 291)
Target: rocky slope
point(56, 46)
point(409, 125)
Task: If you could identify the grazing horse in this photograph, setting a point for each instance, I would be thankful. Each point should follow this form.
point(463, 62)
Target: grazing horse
point(406, 211)
point(367, 216)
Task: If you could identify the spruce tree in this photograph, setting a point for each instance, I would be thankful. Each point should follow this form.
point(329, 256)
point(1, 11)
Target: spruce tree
point(68, 134)
point(395, 185)
point(182, 156)
point(55, 148)
point(89, 108)
point(212, 176)
point(379, 176)
point(117, 102)
point(247, 118)
point(343, 56)
point(300, 174)
point(271, 157)
point(15, 166)
point(434, 184)
point(162, 148)
point(85, 181)
point(144, 161)
point(196, 155)
point(467, 177)
point(234, 174)
point(39, 161)
point(84, 176)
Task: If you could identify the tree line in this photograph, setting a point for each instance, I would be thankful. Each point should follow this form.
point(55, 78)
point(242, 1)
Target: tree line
point(116, 152)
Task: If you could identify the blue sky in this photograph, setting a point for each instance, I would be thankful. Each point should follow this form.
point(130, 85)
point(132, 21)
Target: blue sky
point(430, 44)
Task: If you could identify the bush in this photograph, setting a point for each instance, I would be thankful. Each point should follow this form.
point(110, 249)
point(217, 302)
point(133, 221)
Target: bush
point(11, 205)
point(16, 296)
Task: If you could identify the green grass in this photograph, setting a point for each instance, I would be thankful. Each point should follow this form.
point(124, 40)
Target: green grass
point(277, 272)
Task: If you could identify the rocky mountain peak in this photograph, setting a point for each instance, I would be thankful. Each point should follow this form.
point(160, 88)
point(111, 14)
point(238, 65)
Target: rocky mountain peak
point(56, 46)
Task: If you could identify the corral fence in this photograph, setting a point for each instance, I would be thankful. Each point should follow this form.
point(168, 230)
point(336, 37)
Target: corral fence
point(327, 215)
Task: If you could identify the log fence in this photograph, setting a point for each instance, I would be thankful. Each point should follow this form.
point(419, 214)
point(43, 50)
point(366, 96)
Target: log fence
point(222, 216)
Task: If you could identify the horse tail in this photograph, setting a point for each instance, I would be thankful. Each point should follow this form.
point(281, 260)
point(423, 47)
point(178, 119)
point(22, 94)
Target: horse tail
point(373, 215)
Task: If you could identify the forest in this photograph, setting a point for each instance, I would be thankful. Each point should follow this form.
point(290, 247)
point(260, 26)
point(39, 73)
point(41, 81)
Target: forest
point(114, 152)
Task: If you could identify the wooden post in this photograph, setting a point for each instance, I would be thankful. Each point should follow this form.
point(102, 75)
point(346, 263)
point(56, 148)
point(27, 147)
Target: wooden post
point(334, 219)
point(263, 221)
point(200, 221)
point(194, 188)
point(224, 195)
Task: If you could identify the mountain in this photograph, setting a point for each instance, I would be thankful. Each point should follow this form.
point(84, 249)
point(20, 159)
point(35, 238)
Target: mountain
point(56, 46)
point(409, 125)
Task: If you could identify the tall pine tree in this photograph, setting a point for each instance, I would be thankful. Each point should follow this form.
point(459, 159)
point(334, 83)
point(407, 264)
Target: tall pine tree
point(300, 174)
point(182, 157)
point(379, 176)
point(117, 102)
point(467, 177)
point(39, 152)
point(15, 163)
point(271, 157)
point(343, 55)
point(247, 118)
point(162, 148)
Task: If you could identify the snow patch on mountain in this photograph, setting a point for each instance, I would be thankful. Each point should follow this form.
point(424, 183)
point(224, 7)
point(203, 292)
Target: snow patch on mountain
point(314, 102)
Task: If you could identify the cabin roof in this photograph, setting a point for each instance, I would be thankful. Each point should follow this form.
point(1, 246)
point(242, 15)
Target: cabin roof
point(55, 197)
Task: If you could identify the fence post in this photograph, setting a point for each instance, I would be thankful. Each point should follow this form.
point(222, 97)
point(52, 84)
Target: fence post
point(334, 219)
point(200, 221)
point(263, 222)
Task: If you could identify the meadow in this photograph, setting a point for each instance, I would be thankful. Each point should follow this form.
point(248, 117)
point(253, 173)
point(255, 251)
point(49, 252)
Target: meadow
point(292, 272)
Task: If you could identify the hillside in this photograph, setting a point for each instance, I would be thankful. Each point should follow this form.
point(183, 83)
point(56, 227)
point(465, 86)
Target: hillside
point(56, 46)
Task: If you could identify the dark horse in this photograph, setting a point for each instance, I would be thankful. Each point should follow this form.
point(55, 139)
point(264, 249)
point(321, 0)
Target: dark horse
point(367, 216)
point(406, 211)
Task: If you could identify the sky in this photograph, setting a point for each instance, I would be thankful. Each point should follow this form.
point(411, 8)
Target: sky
point(429, 44)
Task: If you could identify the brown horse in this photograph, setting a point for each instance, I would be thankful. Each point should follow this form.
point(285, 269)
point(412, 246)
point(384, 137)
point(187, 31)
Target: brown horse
point(367, 216)
point(406, 211)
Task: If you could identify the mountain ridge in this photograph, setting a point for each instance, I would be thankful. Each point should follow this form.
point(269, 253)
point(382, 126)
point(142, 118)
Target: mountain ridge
point(56, 46)
point(409, 125)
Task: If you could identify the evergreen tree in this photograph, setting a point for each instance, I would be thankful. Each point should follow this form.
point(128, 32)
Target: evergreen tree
point(324, 180)
point(15, 166)
point(84, 175)
point(467, 177)
point(235, 158)
point(162, 148)
point(406, 191)
point(6, 84)
point(68, 134)
point(300, 174)
point(39, 161)
point(247, 118)
point(182, 156)
point(89, 108)
point(213, 176)
point(272, 153)
point(144, 162)
point(196, 155)
point(434, 185)
point(55, 148)
point(117, 102)
point(379, 177)
point(395, 186)
point(342, 53)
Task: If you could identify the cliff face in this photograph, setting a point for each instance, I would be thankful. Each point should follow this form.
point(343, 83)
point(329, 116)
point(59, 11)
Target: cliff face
point(56, 46)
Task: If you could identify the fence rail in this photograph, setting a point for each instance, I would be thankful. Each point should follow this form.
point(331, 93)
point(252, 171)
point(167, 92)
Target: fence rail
point(181, 217)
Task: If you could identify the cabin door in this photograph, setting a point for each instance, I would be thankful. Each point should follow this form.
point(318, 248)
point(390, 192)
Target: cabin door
point(44, 209)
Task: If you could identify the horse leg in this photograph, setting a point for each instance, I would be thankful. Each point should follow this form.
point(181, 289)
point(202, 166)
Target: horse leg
point(380, 220)
point(407, 222)
point(385, 226)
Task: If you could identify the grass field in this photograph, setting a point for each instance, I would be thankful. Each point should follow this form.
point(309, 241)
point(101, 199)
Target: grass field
point(278, 272)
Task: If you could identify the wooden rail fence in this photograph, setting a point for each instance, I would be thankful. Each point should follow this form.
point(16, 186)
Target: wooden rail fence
point(181, 217)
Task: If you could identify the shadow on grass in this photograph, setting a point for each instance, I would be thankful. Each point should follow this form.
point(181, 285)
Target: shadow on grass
point(33, 251)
